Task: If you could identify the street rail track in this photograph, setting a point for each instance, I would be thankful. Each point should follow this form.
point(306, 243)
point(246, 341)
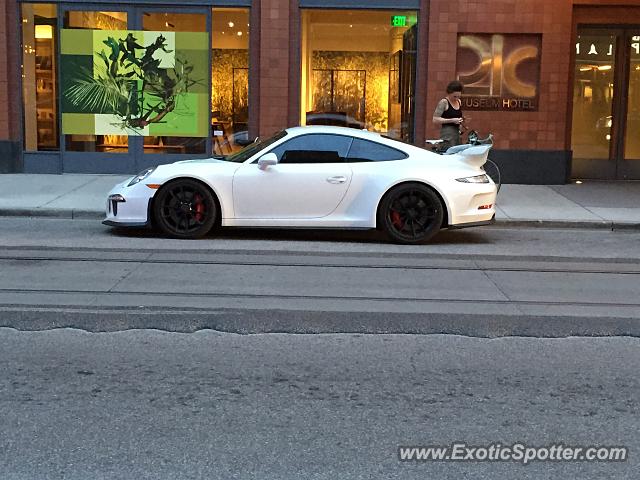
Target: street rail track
point(327, 260)
point(151, 295)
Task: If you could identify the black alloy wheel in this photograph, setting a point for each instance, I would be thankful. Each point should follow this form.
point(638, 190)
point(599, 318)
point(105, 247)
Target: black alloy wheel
point(185, 209)
point(411, 213)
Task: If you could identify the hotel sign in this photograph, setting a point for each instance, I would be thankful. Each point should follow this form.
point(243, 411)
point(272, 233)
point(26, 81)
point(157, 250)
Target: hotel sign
point(500, 72)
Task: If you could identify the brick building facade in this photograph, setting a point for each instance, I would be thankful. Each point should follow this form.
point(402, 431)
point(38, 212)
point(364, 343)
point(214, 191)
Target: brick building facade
point(535, 145)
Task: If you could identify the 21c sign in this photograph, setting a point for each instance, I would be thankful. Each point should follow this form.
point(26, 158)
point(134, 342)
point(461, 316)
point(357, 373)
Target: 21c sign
point(499, 71)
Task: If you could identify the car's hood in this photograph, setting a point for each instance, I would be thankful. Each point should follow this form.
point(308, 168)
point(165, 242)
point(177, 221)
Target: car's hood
point(201, 160)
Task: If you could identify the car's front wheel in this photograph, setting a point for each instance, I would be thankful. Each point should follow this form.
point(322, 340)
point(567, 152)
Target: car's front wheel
point(411, 213)
point(185, 209)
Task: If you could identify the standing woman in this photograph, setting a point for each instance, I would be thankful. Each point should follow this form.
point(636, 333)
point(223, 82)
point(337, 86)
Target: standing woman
point(448, 115)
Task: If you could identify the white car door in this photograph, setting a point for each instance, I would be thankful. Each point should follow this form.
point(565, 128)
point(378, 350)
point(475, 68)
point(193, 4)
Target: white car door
point(309, 182)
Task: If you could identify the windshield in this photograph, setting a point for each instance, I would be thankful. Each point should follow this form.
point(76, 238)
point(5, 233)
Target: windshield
point(250, 150)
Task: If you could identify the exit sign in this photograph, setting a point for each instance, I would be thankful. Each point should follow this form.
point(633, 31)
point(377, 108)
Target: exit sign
point(399, 21)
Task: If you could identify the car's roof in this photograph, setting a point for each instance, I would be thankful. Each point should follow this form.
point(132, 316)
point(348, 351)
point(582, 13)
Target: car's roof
point(354, 132)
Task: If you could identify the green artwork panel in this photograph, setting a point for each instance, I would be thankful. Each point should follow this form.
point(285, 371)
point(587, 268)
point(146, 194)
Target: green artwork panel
point(192, 41)
point(137, 82)
point(78, 123)
point(71, 68)
point(179, 124)
point(199, 60)
point(76, 42)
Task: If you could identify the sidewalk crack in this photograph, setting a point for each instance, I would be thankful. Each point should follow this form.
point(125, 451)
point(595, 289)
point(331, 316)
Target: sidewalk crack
point(69, 191)
point(599, 216)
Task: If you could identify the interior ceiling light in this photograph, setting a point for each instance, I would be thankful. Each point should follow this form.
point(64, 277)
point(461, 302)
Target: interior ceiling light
point(231, 24)
point(239, 34)
point(604, 68)
point(44, 31)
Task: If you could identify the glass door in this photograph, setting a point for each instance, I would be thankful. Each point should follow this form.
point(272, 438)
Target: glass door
point(630, 168)
point(606, 105)
point(92, 91)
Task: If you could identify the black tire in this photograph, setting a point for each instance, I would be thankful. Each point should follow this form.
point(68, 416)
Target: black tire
point(185, 209)
point(411, 213)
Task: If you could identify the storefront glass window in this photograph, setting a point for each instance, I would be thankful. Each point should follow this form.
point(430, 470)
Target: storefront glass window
point(593, 96)
point(179, 22)
point(632, 143)
point(229, 79)
point(358, 70)
point(91, 20)
point(39, 69)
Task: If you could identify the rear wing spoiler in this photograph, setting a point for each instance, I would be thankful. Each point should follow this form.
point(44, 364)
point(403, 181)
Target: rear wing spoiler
point(475, 156)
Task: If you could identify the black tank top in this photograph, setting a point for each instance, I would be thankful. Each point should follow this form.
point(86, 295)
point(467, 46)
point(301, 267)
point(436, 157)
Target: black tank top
point(451, 112)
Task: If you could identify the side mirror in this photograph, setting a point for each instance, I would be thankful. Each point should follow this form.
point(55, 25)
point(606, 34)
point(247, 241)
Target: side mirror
point(267, 160)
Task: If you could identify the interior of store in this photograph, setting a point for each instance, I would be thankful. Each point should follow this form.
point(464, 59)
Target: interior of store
point(358, 69)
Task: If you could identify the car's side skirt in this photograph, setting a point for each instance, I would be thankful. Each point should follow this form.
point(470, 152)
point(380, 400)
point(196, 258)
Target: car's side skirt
point(297, 223)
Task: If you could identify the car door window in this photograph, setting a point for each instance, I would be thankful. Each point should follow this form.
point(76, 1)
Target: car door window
point(367, 151)
point(314, 148)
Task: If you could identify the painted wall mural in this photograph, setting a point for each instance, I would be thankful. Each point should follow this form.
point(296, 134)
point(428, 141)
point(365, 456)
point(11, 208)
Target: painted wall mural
point(126, 82)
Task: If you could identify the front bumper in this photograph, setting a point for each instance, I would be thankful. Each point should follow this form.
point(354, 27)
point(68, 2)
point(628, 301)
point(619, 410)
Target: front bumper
point(129, 206)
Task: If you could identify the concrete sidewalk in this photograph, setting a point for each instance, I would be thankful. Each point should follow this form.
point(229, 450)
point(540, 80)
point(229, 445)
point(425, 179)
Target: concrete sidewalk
point(586, 205)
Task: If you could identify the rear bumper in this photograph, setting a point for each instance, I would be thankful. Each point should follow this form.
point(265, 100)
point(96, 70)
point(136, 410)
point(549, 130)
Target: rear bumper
point(491, 221)
point(471, 204)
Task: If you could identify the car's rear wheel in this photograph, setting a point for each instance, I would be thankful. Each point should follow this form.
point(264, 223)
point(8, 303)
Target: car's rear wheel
point(185, 209)
point(411, 213)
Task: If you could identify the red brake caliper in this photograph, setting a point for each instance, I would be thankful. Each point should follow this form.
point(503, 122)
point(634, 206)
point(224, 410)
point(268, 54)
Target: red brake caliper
point(199, 210)
point(396, 220)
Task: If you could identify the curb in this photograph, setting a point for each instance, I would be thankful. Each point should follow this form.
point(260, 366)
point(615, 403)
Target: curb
point(63, 213)
point(80, 214)
point(570, 224)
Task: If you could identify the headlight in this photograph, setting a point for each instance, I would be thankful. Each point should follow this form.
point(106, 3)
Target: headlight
point(141, 176)
point(477, 179)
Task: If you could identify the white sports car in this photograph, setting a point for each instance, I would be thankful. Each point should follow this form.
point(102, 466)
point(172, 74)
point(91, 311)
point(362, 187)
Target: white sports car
point(313, 177)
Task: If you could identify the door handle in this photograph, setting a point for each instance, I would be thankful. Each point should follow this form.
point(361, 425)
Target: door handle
point(337, 180)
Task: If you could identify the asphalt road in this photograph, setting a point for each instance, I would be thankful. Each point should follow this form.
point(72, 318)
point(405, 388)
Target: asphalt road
point(304, 354)
point(208, 405)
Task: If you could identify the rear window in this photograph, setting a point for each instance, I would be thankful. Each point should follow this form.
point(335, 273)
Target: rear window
point(367, 151)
